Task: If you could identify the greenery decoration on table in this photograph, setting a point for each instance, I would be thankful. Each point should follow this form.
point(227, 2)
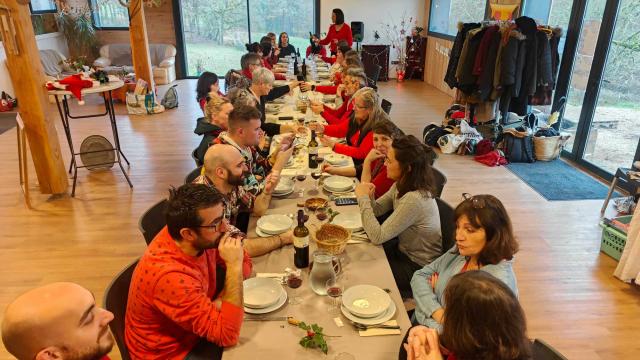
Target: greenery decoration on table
point(314, 338)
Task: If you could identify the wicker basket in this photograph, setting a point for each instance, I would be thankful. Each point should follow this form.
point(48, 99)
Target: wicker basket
point(332, 238)
point(548, 148)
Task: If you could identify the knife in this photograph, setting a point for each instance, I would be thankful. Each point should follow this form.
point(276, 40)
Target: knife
point(266, 318)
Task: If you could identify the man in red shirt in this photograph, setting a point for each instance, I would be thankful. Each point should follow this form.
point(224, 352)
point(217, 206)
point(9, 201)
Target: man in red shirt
point(57, 321)
point(178, 302)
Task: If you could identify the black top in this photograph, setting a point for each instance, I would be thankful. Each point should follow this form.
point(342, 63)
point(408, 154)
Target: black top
point(288, 50)
point(209, 133)
point(278, 91)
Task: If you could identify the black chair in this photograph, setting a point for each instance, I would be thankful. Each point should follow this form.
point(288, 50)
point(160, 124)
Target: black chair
point(153, 220)
point(544, 351)
point(386, 105)
point(192, 175)
point(115, 300)
point(373, 74)
point(194, 156)
point(447, 224)
point(440, 180)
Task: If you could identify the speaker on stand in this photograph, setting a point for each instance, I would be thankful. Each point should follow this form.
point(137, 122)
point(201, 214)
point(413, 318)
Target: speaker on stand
point(357, 32)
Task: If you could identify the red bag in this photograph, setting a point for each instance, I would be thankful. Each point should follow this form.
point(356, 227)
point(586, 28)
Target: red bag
point(492, 158)
point(484, 146)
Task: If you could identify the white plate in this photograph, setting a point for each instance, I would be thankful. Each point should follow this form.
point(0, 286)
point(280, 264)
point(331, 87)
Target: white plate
point(260, 293)
point(281, 301)
point(284, 185)
point(349, 221)
point(261, 234)
point(336, 159)
point(281, 195)
point(274, 224)
point(366, 301)
point(338, 183)
point(386, 316)
point(339, 191)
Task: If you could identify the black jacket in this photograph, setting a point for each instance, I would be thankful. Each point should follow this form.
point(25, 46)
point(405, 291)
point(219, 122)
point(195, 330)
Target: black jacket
point(209, 133)
point(288, 50)
point(270, 128)
point(454, 57)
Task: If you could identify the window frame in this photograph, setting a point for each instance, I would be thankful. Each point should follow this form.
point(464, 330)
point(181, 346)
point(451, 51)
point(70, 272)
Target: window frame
point(445, 36)
point(39, 12)
point(94, 12)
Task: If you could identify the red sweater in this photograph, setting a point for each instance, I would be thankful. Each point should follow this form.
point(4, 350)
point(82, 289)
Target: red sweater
point(343, 34)
point(337, 116)
point(330, 89)
point(380, 179)
point(323, 52)
point(356, 151)
point(170, 303)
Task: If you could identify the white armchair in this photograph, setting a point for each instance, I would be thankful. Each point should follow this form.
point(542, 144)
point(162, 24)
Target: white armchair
point(116, 58)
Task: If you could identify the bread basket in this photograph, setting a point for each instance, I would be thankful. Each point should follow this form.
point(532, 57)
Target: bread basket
point(332, 238)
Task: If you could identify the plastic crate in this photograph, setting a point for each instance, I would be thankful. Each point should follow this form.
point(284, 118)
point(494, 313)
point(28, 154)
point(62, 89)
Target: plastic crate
point(613, 241)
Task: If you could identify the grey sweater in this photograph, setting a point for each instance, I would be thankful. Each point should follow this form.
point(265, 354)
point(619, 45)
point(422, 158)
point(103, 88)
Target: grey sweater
point(415, 221)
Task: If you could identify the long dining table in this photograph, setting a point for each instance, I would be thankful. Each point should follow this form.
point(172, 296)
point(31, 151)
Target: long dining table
point(362, 263)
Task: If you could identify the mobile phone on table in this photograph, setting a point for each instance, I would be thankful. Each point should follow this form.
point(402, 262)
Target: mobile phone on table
point(285, 118)
point(346, 201)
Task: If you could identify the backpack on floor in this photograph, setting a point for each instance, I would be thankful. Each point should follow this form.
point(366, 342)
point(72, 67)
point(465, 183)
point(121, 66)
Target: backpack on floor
point(518, 146)
point(432, 133)
point(170, 99)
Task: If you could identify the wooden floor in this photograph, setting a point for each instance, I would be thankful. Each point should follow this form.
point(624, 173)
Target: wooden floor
point(566, 287)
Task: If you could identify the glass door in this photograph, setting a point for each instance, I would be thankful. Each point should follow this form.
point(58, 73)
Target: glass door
point(614, 132)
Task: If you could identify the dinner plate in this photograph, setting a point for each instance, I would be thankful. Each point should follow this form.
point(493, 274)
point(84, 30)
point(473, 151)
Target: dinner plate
point(336, 159)
point(386, 316)
point(284, 185)
point(338, 183)
point(281, 301)
point(282, 194)
point(274, 224)
point(349, 221)
point(366, 301)
point(260, 293)
point(330, 190)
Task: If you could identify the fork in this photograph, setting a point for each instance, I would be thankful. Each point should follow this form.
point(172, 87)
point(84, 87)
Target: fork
point(360, 326)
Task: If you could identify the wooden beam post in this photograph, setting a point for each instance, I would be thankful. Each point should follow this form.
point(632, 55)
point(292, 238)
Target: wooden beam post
point(140, 43)
point(27, 77)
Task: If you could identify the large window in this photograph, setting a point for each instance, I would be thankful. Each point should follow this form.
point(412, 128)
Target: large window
point(109, 14)
point(445, 14)
point(216, 31)
point(42, 6)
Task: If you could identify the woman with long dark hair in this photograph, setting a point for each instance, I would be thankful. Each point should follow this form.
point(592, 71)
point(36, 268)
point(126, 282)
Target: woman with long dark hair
point(315, 48)
point(483, 321)
point(484, 241)
point(411, 234)
point(338, 30)
point(285, 47)
point(207, 83)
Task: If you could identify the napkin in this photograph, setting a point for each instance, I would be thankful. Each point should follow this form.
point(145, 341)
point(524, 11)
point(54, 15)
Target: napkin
point(270, 275)
point(381, 332)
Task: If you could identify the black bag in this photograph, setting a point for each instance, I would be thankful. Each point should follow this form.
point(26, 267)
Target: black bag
point(518, 147)
point(432, 133)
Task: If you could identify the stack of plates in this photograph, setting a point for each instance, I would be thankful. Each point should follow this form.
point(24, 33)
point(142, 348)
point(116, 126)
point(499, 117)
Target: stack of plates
point(284, 187)
point(337, 159)
point(272, 108)
point(338, 184)
point(263, 295)
point(275, 224)
point(349, 221)
point(367, 304)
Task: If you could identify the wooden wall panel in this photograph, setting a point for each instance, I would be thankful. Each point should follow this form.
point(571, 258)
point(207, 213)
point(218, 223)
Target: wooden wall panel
point(438, 51)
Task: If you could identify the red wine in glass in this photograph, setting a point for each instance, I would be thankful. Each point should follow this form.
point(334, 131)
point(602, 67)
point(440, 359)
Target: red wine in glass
point(334, 291)
point(319, 159)
point(316, 175)
point(301, 177)
point(294, 281)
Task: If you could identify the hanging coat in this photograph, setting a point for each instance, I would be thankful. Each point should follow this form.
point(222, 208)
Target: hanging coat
point(456, 51)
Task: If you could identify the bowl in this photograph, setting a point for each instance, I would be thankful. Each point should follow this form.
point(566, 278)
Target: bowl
point(315, 203)
point(274, 224)
point(366, 301)
point(261, 292)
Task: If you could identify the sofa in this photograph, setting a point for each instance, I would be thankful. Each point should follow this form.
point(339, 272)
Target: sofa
point(53, 66)
point(116, 58)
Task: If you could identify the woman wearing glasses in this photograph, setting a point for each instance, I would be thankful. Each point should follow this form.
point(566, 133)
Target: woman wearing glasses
point(354, 81)
point(411, 234)
point(484, 241)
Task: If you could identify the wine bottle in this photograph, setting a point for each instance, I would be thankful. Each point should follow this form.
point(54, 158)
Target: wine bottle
point(304, 70)
point(295, 65)
point(301, 243)
point(313, 151)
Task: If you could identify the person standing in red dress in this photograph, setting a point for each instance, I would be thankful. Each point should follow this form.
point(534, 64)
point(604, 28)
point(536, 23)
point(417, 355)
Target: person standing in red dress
point(338, 30)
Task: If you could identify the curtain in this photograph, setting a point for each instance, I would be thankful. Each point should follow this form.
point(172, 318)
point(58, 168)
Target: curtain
point(629, 266)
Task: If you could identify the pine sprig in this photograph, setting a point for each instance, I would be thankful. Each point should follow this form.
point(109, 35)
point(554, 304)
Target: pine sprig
point(314, 338)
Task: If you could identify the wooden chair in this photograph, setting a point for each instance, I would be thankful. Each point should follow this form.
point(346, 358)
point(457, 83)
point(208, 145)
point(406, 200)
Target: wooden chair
point(447, 224)
point(192, 175)
point(115, 300)
point(386, 105)
point(544, 351)
point(441, 180)
point(153, 220)
point(23, 166)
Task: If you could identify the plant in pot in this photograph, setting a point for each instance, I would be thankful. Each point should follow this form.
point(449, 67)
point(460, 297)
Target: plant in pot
point(75, 24)
point(396, 35)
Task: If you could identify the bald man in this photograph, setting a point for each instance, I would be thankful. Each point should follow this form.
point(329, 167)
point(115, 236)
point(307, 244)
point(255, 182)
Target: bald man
point(57, 321)
point(224, 170)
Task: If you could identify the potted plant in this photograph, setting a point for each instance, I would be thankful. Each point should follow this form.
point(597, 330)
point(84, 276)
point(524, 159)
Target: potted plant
point(396, 35)
point(75, 24)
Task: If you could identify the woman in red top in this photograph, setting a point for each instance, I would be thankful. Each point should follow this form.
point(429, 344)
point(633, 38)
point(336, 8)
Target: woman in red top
point(338, 30)
point(315, 47)
point(351, 60)
point(355, 80)
point(373, 170)
point(484, 320)
point(357, 131)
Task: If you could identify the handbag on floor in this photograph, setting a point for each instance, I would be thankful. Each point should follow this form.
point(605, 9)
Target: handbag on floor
point(518, 146)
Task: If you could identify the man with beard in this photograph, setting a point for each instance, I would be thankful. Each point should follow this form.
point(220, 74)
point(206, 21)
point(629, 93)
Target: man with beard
point(179, 305)
point(57, 321)
point(225, 169)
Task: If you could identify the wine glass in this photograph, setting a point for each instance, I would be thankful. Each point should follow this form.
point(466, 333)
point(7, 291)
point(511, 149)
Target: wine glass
point(322, 213)
point(294, 282)
point(334, 290)
point(301, 176)
point(317, 174)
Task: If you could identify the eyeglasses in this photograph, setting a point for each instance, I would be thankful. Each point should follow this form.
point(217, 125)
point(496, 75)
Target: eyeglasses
point(216, 226)
point(476, 202)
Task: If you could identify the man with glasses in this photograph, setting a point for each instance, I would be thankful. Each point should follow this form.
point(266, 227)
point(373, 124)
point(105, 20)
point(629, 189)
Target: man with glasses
point(185, 296)
point(225, 170)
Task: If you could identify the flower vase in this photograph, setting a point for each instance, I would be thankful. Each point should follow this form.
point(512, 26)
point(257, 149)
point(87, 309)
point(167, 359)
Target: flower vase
point(400, 75)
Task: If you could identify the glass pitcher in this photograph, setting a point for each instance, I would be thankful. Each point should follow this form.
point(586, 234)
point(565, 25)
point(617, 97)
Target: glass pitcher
point(325, 266)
